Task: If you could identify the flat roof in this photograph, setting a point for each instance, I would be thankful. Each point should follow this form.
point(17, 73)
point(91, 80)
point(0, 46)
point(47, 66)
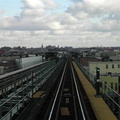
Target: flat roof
point(106, 62)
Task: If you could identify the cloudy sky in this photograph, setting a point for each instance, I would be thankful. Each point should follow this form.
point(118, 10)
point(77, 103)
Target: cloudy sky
point(77, 23)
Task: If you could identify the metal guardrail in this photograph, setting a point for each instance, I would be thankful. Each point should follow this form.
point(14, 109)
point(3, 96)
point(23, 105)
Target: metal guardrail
point(13, 79)
point(89, 76)
point(23, 84)
point(112, 98)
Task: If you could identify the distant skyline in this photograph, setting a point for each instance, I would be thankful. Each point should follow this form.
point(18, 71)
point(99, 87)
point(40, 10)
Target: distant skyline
point(77, 23)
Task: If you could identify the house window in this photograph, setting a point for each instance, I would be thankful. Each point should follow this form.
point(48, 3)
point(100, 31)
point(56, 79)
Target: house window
point(112, 65)
point(118, 65)
point(107, 66)
point(112, 85)
point(116, 86)
point(105, 85)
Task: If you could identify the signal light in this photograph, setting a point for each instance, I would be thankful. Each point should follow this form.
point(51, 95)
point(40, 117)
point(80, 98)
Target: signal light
point(97, 69)
point(97, 84)
point(97, 73)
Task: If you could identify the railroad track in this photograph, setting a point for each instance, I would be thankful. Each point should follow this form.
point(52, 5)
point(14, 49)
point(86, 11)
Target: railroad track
point(70, 102)
point(67, 103)
point(66, 100)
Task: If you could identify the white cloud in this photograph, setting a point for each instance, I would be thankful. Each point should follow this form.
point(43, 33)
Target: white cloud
point(36, 4)
point(33, 4)
point(96, 22)
point(37, 7)
point(101, 6)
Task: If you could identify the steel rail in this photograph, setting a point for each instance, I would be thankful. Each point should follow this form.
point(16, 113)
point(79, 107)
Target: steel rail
point(74, 97)
point(61, 80)
point(58, 91)
point(79, 98)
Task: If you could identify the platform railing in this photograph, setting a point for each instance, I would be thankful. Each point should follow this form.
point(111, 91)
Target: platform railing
point(23, 84)
point(89, 76)
point(110, 96)
point(10, 81)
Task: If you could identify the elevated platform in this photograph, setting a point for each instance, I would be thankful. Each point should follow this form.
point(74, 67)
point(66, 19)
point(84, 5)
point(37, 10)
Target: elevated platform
point(100, 108)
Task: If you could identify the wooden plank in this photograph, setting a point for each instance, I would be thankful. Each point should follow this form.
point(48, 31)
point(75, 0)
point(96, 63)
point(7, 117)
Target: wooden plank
point(66, 89)
point(64, 111)
point(38, 94)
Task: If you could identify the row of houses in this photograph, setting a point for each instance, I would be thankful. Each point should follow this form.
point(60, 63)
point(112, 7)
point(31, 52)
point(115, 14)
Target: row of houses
point(109, 71)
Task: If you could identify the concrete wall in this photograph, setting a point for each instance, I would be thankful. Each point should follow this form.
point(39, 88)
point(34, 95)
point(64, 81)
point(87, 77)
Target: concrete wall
point(28, 61)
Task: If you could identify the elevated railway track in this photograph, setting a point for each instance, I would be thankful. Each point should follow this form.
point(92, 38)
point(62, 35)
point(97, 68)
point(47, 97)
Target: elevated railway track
point(68, 103)
point(51, 91)
point(17, 88)
point(63, 101)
